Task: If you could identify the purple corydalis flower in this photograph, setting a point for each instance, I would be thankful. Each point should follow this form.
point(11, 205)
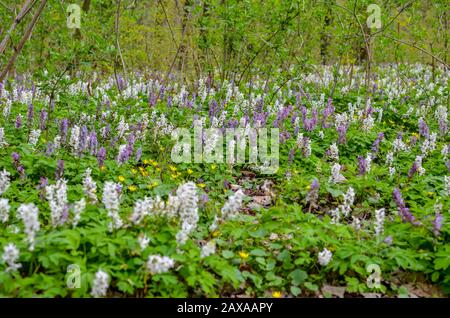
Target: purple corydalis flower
point(59, 169)
point(83, 138)
point(30, 114)
point(92, 143)
point(50, 149)
point(423, 128)
point(138, 154)
point(327, 112)
point(16, 158)
point(18, 121)
point(437, 224)
point(362, 165)
point(101, 156)
point(404, 212)
point(43, 182)
point(413, 169)
point(43, 120)
point(388, 240)
point(376, 144)
point(21, 171)
point(291, 155)
point(64, 126)
point(342, 132)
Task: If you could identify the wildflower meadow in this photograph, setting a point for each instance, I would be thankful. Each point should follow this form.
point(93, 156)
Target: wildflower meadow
point(221, 159)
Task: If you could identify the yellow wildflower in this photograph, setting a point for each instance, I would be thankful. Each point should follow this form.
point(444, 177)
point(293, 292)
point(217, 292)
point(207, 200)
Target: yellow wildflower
point(276, 294)
point(243, 255)
point(121, 178)
point(132, 188)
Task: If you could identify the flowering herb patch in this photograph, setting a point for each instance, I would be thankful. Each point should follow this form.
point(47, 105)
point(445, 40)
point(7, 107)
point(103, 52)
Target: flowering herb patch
point(93, 204)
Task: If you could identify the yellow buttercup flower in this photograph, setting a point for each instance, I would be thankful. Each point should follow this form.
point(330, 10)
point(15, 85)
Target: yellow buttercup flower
point(121, 178)
point(132, 188)
point(277, 294)
point(213, 167)
point(172, 168)
point(201, 185)
point(215, 233)
point(243, 255)
point(133, 171)
point(189, 171)
point(146, 162)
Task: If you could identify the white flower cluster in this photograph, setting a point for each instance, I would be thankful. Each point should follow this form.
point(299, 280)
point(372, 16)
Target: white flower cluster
point(142, 208)
point(325, 257)
point(34, 137)
point(429, 145)
point(4, 210)
point(447, 185)
point(345, 208)
point(29, 214)
point(75, 139)
point(90, 187)
point(379, 221)
point(188, 212)
point(3, 142)
point(57, 198)
point(442, 118)
point(208, 249)
point(4, 181)
point(100, 284)
point(143, 241)
point(334, 152)
point(336, 175)
point(157, 264)
point(78, 208)
point(111, 200)
point(10, 257)
point(234, 203)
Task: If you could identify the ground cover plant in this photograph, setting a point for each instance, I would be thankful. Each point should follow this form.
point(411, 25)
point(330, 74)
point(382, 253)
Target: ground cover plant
point(90, 182)
point(95, 202)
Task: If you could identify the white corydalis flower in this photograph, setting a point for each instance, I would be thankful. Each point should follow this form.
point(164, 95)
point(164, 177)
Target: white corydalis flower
point(3, 142)
point(188, 211)
point(324, 257)
point(379, 222)
point(234, 203)
point(336, 176)
point(29, 214)
point(349, 198)
point(57, 199)
point(34, 137)
point(157, 264)
point(208, 249)
point(141, 209)
point(78, 208)
point(4, 210)
point(90, 187)
point(10, 256)
point(143, 241)
point(447, 185)
point(4, 181)
point(100, 284)
point(334, 152)
point(111, 200)
point(75, 139)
